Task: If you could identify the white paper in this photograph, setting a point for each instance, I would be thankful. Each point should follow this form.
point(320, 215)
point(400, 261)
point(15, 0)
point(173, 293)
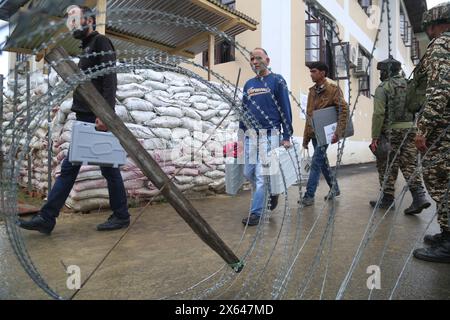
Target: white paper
point(329, 131)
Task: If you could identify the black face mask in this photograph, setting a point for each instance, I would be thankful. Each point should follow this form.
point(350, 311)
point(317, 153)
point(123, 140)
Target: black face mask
point(81, 34)
point(384, 75)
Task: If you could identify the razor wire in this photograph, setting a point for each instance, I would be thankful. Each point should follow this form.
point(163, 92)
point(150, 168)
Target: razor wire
point(344, 140)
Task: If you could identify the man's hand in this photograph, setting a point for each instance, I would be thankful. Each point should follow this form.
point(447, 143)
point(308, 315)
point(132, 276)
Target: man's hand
point(286, 144)
point(421, 143)
point(335, 139)
point(374, 145)
point(100, 126)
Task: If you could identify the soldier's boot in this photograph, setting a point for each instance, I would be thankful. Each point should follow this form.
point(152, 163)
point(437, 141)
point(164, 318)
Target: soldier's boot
point(433, 240)
point(386, 202)
point(420, 202)
point(437, 253)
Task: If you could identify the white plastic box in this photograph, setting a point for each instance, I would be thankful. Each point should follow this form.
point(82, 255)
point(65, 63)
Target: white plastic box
point(284, 168)
point(92, 147)
point(234, 177)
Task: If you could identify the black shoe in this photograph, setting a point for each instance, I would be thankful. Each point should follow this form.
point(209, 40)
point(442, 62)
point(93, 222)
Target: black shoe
point(38, 223)
point(113, 223)
point(420, 202)
point(252, 221)
point(332, 195)
point(439, 253)
point(307, 201)
point(434, 240)
point(273, 202)
point(386, 202)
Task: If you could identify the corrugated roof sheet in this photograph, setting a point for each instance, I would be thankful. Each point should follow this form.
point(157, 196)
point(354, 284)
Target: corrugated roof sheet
point(143, 20)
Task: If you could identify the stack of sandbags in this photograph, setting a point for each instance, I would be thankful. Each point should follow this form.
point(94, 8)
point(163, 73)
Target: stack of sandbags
point(38, 144)
point(172, 116)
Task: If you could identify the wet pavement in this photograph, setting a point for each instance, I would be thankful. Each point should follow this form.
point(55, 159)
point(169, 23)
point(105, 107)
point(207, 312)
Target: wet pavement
point(161, 256)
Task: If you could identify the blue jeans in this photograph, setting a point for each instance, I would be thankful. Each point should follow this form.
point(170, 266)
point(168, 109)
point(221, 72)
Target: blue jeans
point(64, 183)
point(319, 164)
point(254, 170)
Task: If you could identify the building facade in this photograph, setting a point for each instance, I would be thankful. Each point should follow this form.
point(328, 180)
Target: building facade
point(295, 32)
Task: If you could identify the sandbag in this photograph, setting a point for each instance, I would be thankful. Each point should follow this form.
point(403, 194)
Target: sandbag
point(137, 104)
point(207, 115)
point(184, 179)
point(149, 74)
point(133, 87)
point(66, 106)
point(122, 113)
point(198, 99)
point(142, 117)
point(127, 78)
point(215, 174)
point(188, 112)
point(88, 204)
point(170, 111)
point(122, 95)
point(175, 90)
point(139, 131)
point(157, 101)
point(164, 122)
point(182, 96)
point(89, 194)
point(155, 85)
point(154, 144)
point(191, 124)
point(180, 133)
point(163, 133)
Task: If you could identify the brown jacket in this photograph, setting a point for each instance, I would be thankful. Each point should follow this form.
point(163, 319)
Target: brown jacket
point(331, 96)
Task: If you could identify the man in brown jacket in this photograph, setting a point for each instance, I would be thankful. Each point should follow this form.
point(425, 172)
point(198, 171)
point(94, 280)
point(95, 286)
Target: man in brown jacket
point(322, 95)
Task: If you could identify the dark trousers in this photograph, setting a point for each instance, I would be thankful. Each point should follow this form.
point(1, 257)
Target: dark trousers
point(64, 183)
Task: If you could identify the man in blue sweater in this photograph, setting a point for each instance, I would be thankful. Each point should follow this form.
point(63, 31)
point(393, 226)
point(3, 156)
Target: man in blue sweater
point(266, 103)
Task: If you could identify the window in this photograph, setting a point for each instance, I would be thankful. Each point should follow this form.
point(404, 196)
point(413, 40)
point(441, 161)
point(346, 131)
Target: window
point(365, 4)
point(224, 52)
point(364, 73)
point(405, 29)
point(314, 41)
point(319, 39)
point(415, 51)
point(20, 57)
point(342, 56)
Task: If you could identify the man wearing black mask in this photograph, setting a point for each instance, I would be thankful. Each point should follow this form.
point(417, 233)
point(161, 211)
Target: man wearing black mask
point(81, 22)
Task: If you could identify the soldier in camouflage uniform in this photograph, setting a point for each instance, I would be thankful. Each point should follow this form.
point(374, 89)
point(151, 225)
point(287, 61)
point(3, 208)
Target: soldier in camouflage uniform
point(391, 123)
point(433, 74)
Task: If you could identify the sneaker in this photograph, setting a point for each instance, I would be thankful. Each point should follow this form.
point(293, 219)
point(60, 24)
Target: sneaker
point(113, 223)
point(37, 223)
point(307, 201)
point(273, 202)
point(251, 221)
point(332, 195)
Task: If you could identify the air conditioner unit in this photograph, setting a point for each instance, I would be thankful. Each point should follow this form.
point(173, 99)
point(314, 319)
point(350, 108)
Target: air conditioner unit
point(354, 55)
point(362, 67)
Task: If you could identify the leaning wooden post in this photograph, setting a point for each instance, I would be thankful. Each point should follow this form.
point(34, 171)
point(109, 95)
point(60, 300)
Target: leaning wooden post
point(59, 60)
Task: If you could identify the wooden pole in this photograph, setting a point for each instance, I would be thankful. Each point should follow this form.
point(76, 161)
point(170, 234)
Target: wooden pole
point(211, 54)
point(30, 177)
point(143, 160)
point(1, 127)
point(101, 17)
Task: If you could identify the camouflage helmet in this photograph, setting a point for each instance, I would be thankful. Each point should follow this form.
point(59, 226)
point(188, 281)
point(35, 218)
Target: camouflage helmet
point(389, 65)
point(437, 15)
